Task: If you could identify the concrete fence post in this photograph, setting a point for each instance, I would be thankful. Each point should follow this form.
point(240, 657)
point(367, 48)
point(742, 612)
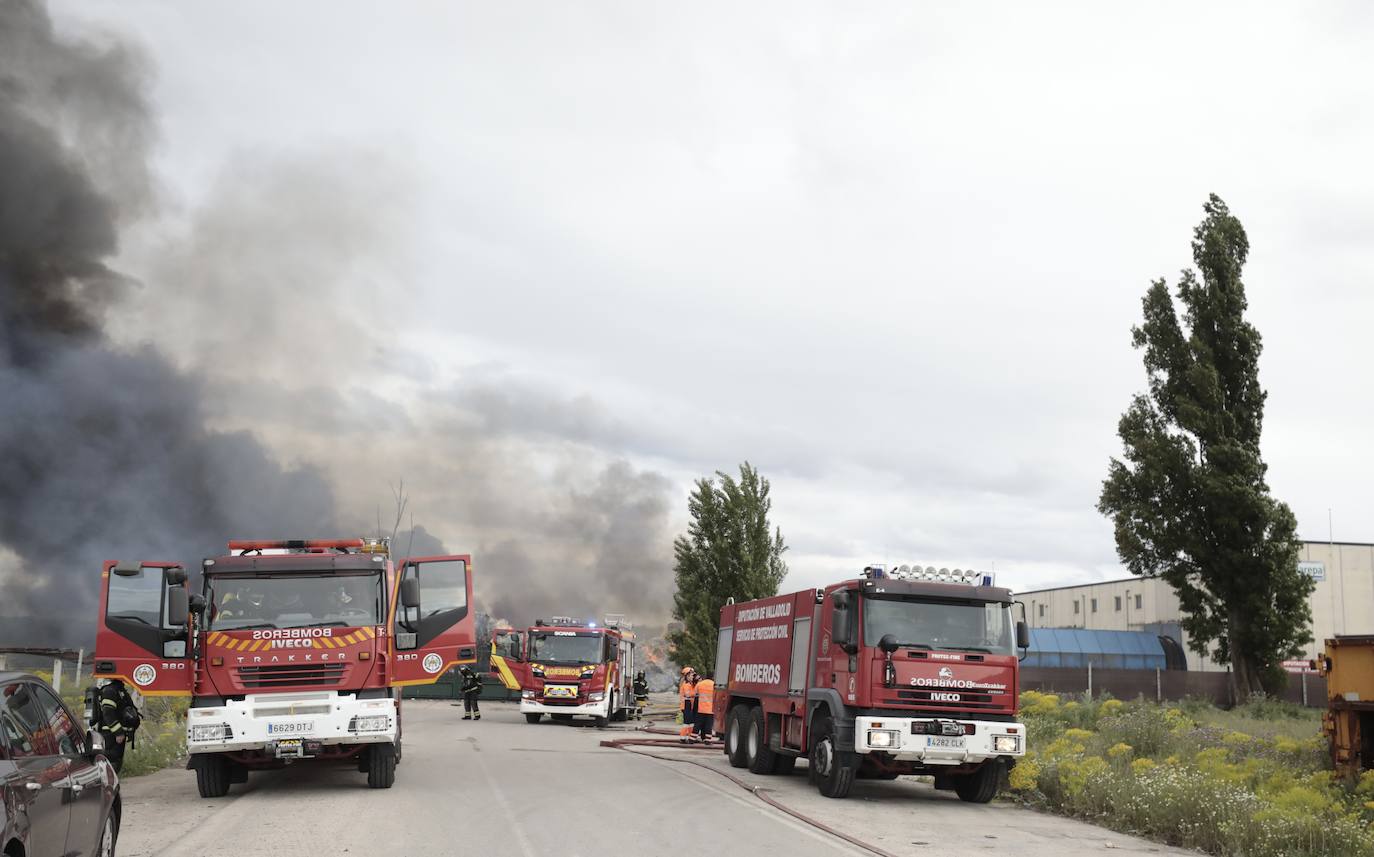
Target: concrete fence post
point(1090, 679)
point(1304, 688)
point(80, 658)
point(57, 675)
point(1159, 686)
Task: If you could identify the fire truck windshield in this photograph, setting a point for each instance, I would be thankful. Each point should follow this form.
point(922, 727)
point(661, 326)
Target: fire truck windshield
point(958, 625)
point(565, 647)
point(295, 601)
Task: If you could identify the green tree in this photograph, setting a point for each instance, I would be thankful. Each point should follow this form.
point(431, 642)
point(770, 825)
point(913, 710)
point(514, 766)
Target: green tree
point(1189, 502)
point(729, 550)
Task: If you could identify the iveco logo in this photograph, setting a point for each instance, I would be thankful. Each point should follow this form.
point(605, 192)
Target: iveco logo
point(946, 672)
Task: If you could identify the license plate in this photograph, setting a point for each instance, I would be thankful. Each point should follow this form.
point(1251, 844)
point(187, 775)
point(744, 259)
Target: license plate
point(950, 742)
point(295, 727)
point(561, 691)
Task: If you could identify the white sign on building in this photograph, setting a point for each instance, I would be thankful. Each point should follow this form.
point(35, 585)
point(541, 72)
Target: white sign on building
point(1314, 570)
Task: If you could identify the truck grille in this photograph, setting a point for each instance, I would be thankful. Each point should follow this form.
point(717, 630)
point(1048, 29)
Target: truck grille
point(282, 675)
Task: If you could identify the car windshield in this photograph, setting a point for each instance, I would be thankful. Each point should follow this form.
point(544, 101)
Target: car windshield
point(295, 601)
point(958, 625)
point(565, 647)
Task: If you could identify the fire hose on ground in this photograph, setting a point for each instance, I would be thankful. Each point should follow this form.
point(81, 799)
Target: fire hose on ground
point(631, 745)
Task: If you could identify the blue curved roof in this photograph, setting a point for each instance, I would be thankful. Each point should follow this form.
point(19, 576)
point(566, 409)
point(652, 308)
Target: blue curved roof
point(1075, 647)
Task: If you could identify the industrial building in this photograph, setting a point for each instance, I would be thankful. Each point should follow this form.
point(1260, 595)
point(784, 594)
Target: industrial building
point(1342, 601)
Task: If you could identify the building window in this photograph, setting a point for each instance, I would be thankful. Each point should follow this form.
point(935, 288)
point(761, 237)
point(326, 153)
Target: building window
point(1137, 602)
point(1075, 608)
point(1118, 603)
point(1042, 611)
point(1094, 605)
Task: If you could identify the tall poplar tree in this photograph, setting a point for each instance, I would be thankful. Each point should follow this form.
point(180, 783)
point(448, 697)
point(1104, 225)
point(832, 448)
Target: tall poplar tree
point(729, 551)
point(1189, 501)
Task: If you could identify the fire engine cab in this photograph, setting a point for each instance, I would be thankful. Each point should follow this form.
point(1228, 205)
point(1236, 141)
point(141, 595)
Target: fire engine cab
point(291, 650)
point(904, 671)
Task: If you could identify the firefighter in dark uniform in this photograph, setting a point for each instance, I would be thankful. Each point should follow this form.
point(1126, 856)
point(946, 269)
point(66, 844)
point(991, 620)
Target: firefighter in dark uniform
point(118, 719)
point(472, 688)
point(641, 688)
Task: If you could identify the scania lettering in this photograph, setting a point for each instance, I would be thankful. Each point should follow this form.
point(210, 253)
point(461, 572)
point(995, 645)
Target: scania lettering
point(291, 650)
point(907, 671)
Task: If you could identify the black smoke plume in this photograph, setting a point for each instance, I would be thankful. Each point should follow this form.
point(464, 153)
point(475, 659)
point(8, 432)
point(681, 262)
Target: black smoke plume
point(104, 452)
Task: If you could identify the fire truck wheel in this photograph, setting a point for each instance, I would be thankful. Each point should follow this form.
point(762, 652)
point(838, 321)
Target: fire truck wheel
point(761, 758)
point(832, 769)
point(381, 766)
point(533, 717)
point(981, 785)
point(734, 736)
point(212, 775)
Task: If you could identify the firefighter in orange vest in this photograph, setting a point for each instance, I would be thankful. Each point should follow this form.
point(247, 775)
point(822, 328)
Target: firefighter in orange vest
point(706, 689)
point(686, 691)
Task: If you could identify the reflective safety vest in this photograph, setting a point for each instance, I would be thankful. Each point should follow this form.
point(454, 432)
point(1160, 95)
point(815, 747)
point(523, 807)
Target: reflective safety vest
point(706, 689)
point(686, 691)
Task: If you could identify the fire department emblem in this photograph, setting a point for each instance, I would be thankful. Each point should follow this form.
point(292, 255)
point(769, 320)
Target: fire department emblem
point(144, 675)
point(946, 672)
point(432, 663)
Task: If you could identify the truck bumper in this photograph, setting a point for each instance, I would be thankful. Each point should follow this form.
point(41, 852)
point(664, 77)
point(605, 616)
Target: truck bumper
point(261, 721)
point(894, 736)
point(587, 709)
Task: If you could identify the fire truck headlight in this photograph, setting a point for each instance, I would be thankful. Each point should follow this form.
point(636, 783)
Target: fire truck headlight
point(596, 696)
point(882, 739)
point(371, 723)
point(207, 732)
point(527, 694)
point(1006, 743)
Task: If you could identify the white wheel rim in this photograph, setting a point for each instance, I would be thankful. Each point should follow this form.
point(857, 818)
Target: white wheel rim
point(823, 757)
point(753, 740)
point(733, 736)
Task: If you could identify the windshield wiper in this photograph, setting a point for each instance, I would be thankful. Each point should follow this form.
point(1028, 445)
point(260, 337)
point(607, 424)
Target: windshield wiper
point(328, 623)
point(969, 649)
point(256, 627)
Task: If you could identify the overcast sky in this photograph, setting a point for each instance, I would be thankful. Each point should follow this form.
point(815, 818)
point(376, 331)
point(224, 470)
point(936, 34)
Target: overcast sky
point(890, 253)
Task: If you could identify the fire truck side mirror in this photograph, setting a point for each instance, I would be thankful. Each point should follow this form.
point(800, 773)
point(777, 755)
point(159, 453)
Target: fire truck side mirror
point(1022, 635)
point(174, 576)
point(178, 607)
point(128, 568)
point(888, 643)
point(410, 592)
point(842, 622)
point(197, 604)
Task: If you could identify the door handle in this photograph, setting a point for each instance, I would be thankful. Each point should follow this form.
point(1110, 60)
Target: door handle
point(32, 786)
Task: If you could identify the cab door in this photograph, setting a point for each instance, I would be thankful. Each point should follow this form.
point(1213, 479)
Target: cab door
point(433, 629)
point(37, 779)
point(143, 632)
point(508, 659)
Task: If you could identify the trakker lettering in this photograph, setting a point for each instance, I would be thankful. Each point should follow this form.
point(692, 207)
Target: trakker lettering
point(962, 684)
point(758, 673)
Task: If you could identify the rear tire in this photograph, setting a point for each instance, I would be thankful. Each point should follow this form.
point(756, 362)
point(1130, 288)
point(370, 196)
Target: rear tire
point(734, 737)
point(832, 769)
point(212, 775)
point(533, 717)
point(381, 766)
point(761, 758)
point(981, 785)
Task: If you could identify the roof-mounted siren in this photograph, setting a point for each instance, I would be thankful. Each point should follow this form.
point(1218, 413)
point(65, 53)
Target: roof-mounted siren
point(243, 546)
point(615, 620)
point(875, 571)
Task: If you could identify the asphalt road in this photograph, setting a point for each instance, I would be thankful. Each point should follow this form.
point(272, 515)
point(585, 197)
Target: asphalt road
point(502, 786)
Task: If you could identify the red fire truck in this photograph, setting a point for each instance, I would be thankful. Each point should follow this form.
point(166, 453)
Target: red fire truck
point(566, 668)
point(292, 649)
point(902, 671)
